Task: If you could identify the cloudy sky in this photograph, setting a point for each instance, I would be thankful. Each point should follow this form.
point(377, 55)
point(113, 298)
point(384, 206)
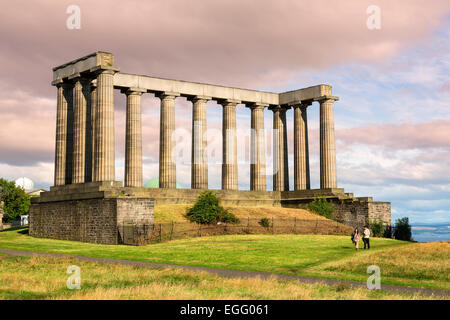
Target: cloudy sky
point(392, 120)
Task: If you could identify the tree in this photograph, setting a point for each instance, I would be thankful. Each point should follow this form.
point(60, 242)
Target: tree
point(402, 229)
point(207, 210)
point(322, 207)
point(15, 200)
point(377, 227)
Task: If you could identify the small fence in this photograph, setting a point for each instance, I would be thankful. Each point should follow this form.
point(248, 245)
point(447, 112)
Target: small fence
point(134, 234)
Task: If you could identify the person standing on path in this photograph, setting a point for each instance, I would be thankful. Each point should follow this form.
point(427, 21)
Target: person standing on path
point(356, 238)
point(366, 237)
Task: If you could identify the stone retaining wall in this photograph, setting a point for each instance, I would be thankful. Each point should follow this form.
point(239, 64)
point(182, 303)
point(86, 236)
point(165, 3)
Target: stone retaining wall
point(89, 220)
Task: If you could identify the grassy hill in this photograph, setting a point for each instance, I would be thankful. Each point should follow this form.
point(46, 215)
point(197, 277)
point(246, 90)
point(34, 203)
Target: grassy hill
point(403, 263)
point(175, 212)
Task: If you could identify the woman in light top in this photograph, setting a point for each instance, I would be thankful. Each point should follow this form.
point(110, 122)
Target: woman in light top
point(356, 237)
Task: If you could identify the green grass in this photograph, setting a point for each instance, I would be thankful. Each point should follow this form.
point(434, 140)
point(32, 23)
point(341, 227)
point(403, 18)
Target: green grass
point(45, 278)
point(313, 255)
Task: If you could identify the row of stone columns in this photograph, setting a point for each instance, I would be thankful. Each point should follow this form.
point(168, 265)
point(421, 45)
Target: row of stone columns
point(85, 152)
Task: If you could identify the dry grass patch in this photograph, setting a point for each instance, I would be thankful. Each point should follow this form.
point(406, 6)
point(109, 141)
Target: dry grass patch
point(428, 263)
point(175, 212)
point(45, 278)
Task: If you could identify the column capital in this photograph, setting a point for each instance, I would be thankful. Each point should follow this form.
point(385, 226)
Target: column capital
point(326, 98)
point(225, 102)
point(132, 90)
point(279, 108)
point(301, 103)
point(197, 98)
point(257, 105)
point(167, 95)
point(63, 84)
point(102, 69)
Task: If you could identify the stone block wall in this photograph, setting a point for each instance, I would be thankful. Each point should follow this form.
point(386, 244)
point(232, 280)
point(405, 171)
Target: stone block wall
point(87, 220)
point(357, 213)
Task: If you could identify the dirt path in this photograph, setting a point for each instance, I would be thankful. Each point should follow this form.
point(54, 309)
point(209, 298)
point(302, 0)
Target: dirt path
point(229, 273)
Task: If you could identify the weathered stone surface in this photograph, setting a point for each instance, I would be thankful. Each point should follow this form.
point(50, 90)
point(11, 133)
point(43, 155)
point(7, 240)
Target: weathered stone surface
point(104, 166)
point(167, 166)
point(199, 163)
point(301, 148)
point(133, 141)
point(64, 106)
point(94, 217)
point(328, 177)
point(257, 149)
point(229, 146)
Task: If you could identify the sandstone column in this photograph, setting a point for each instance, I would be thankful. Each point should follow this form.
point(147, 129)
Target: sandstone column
point(167, 166)
point(327, 145)
point(285, 148)
point(199, 163)
point(257, 149)
point(89, 136)
point(301, 147)
point(229, 146)
point(64, 105)
point(133, 139)
point(93, 127)
point(278, 152)
point(81, 96)
point(104, 167)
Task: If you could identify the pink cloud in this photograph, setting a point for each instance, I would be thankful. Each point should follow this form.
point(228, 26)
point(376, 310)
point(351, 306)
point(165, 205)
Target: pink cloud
point(434, 134)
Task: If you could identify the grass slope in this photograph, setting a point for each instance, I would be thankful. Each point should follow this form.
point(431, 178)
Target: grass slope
point(45, 278)
point(419, 265)
point(175, 212)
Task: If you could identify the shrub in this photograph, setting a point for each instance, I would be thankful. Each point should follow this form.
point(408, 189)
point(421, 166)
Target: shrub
point(402, 229)
point(265, 223)
point(207, 210)
point(15, 200)
point(377, 227)
point(321, 206)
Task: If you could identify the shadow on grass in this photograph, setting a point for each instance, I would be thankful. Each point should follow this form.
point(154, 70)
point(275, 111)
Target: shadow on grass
point(16, 228)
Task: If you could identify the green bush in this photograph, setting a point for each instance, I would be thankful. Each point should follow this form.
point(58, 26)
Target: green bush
point(377, 227)
point(402, 229)
point(322, 207)
point(264, 222)
point(15, 200)
point(207, 210)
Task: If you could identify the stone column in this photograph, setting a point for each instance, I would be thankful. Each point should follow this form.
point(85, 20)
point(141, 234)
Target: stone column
point(280, 180)
point(133, 142)
point(199, 163)
point(285, 149)
point(301, 147)
point(64, 106)
point(104, 167)
point(167, 166)
point(327, 145)
point(81, 96)
point(93, 127)
point(89, 137)
point(229, 146)
point(257, 149)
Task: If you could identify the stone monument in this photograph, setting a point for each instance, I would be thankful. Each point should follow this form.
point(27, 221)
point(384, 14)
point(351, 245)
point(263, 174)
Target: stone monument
point(86, 204)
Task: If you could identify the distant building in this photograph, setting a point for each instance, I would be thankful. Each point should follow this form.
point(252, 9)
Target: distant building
point(36, 192)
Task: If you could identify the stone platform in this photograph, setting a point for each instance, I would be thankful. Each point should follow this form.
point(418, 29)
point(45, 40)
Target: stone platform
point(95, 211)
point(89, 212)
